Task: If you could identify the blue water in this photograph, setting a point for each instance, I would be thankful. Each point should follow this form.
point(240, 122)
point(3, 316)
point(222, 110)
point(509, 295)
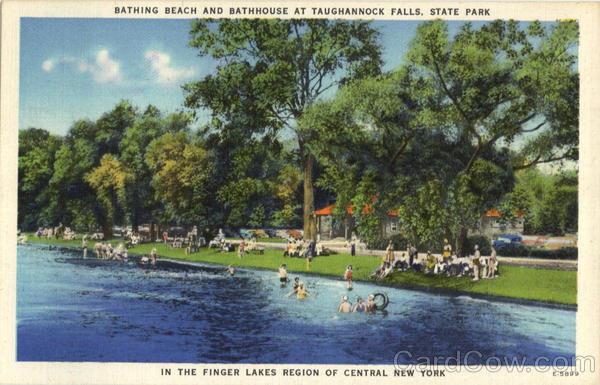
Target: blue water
point(129, 313)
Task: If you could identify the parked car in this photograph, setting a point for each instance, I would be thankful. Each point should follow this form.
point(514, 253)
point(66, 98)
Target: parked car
point(176, 232)
point(534, 240)
point(117, 231)
point(558, 242)
point(507, 240)
point(294, 233)
point(271, 233)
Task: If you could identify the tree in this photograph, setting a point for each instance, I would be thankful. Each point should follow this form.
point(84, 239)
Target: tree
point(108, 181)
point(272, 70)
point(552, 201)
point(449, 117)
point(140, 203)
point(37, 152)
point(181, 169)
point(501, 83)
point(70, 198)
point(286, 191)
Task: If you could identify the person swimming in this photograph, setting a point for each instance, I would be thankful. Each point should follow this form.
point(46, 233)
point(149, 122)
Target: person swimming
point(301, 292)
point(345, 306)
point(231, 270)
point(359, 307)
point(371, 306)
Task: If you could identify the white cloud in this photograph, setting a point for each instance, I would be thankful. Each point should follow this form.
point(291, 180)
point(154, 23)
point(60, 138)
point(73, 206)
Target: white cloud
point(103, 69)
point(48, 65)
point(106, 70)
point(165, 71)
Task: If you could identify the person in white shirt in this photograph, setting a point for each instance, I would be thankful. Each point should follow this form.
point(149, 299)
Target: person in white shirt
point(476, 262)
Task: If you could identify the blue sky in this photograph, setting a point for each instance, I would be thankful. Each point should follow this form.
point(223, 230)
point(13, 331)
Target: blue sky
point(73, 69)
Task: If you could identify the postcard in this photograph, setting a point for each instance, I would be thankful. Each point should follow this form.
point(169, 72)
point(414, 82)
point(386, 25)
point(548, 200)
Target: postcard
point(299, 192)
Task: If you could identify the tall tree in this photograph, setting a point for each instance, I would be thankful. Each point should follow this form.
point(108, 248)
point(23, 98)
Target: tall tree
point(446, 121)
point(272, 70)
point(501, 83)
point(108, 181)
point(140, 202)
point(37, 153)
point(181, 169)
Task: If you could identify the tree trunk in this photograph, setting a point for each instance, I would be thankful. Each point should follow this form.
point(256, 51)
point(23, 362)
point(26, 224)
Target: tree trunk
point(107, 227)
point(308, 218)
point(135, 223)
point(461, 242)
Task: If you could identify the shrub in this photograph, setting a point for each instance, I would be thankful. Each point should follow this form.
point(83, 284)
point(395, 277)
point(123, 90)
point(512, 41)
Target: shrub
point(399, 241)
point(517, 251)
point(533, 252)
point(485, 248)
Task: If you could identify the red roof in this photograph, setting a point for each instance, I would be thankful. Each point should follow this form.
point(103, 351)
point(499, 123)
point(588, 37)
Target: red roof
point(325, 210)
point(496, 213)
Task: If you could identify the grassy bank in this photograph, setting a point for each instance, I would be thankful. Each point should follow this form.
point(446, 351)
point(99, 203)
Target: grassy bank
point(555, 286)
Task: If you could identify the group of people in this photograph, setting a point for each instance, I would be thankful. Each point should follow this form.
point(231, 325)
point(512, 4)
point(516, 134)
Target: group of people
point(55, 232)
point(248, 247)
point(359, 307)
point(301, 248)
point(105, 250)
point(447, 263)
point(298, 287)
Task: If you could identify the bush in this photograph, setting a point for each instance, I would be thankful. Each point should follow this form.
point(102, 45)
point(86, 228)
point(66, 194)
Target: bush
point(517, 251)
point(485, 248)
point(532, 252)
point(399, 241)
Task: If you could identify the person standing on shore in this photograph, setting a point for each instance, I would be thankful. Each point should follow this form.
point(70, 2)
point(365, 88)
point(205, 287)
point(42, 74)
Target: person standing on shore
point(491, 265)
point(412, 253)
point(241, 249)
point(446, 252)
point(476, 257)
point(389, 253)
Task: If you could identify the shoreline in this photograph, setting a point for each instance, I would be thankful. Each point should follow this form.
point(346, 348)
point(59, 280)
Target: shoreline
point(452, 292)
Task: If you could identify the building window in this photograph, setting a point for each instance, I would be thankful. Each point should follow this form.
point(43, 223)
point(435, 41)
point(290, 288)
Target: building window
point(394, 226)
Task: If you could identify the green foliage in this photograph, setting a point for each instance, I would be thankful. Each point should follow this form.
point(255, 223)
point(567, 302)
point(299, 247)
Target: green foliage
point(258, 217)
point(485, 247)
point(181, 171)
point(399, 241)
point(552, 201)
point(534, 252)
point(288, 216)
point(438, 130)
point(271, 70)
point(37, 152)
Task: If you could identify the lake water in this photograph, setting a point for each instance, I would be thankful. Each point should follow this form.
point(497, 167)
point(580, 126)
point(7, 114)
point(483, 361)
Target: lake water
point(129, 313)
